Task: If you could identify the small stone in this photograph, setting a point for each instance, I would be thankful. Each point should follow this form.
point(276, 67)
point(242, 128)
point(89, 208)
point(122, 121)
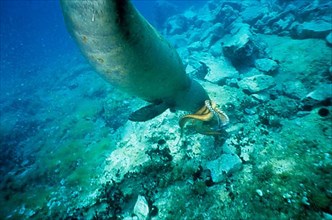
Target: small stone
point(287, 196)
point(250, 111)
point(262, 97)
point(327, 216)
point(305, 201)
point(22, 210)
point(259, 192)
point(141, 208)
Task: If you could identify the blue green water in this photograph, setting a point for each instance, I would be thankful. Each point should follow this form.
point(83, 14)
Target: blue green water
point(68, 150)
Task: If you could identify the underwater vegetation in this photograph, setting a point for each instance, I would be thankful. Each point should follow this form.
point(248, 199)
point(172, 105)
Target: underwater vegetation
point(68, 150)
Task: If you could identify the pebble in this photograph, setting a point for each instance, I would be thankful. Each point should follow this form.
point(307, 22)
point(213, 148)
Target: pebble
point(141, 209)
point(259, 192)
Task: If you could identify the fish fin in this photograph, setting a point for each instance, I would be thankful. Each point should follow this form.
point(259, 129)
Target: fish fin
point(148, 112)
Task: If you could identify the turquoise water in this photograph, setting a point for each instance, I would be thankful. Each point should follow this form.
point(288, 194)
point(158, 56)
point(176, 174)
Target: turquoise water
point(68, 150)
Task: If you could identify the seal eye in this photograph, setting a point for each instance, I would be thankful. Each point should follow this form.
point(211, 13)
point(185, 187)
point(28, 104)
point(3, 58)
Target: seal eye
point(208, 120)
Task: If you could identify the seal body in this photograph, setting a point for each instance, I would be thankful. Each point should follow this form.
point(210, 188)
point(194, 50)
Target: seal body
point(129, 53)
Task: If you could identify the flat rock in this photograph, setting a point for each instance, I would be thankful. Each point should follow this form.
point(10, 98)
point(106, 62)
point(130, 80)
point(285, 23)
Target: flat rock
point(223, 166)
point(313, 29)
point(219, 70)
point(253, 13)
point(261, 97)
point(294, 89)
point(321, 93)
point(266, 65)
point(258, 83)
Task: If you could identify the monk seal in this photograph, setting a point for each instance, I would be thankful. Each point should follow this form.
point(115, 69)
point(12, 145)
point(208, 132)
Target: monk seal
point(130, 54)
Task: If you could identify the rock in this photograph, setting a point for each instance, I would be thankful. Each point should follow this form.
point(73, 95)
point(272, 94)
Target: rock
point(261, 97)
point(283, 24)
point(321, 94)
point(313, 29)
point(164, 10)
point(250, 72)
point(294, 89)
point(178, 41)
point(219, 70)
point(210, 40)
point(176, 25)
point(216, 29)
point(223, 166)
point(141, 208)
point(196, 46)
point(259, 192)
point(266, 65)
point(216, 49)
point(327, 216)
point(197, 69)
point(226, 13)
point(329, 39)
point(239, 47)
point(194, 36)
point(190, 15)
point(253, 13)
point(255, 84)
point(128, 157)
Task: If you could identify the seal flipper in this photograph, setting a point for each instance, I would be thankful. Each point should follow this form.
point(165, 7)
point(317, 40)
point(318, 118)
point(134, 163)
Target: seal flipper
point(148, 112)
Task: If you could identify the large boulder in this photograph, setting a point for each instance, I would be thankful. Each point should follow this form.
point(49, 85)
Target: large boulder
point(241, 46)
